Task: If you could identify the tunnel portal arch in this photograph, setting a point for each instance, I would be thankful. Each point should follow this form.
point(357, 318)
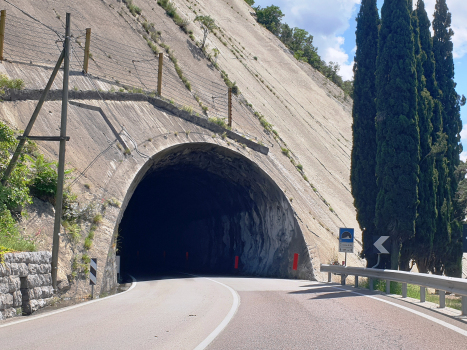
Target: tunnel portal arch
point(213, 204)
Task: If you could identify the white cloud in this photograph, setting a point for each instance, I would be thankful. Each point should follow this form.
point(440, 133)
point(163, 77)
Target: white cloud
point(464, 133)
point(458, 9)
point(326, 21)
point(463, 156)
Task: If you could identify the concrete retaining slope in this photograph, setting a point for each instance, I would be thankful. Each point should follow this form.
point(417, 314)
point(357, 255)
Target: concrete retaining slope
point(25, 282)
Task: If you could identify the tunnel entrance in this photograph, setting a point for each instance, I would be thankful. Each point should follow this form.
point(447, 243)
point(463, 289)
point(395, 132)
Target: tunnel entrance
point(198, 206)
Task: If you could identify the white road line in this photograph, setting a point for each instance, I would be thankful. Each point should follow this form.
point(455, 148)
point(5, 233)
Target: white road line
point(225, 321)
point(421, 314)
point(68, 308)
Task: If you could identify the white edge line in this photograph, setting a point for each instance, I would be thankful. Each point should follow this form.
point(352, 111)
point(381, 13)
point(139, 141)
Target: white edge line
point(421, 314)
point(68, 308)
point(225, 321)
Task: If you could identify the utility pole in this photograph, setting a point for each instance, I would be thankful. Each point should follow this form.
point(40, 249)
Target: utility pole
point(61, 156)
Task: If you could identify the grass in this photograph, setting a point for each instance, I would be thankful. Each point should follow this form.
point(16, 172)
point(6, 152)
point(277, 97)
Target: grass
point(413, 291)
point(188, 109)
point(73, 231)
point(218, 121)
point(6, 83)
point(135, 10)
point(97, 219)
point(113, 202)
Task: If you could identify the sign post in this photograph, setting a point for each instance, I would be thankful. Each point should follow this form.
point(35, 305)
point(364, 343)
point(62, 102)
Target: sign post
point(381, 245)
point(92, 275)
point(346, 240)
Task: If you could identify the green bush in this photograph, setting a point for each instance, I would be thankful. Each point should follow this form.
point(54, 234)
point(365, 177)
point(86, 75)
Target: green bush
point(87, 243)
point(6, 83)
point(44, 183)
point(135, 10)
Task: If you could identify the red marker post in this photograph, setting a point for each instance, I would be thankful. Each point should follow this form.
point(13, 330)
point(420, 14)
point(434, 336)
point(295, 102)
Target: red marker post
point(186, 256)
point(236, 262)
point(295, 262)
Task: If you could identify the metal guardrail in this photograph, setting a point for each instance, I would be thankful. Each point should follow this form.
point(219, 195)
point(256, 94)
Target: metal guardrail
point(442, 283)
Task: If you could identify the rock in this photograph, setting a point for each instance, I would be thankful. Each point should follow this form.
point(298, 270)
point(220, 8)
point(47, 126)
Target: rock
point(23, 270)
point(6, 301)
point(14, 284)
point(7, 313)
point(17, 299)
point(4, 271)
point(63, 285)
point(33, 269)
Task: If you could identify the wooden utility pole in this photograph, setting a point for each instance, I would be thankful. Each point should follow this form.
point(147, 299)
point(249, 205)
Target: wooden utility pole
point(61, 156)
point(86, 50)
point(159, 74)
point(2, 32)
point(230, 108)
point(22, 139)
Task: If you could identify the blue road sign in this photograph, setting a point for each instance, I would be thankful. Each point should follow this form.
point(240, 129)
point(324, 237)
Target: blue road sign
point(346, 235)
point(346, 238)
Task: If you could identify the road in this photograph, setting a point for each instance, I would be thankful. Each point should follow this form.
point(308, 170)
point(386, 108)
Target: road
point(188, 312)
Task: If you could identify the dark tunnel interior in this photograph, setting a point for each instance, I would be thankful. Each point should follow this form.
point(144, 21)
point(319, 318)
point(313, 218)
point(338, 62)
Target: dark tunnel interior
point(198, 207)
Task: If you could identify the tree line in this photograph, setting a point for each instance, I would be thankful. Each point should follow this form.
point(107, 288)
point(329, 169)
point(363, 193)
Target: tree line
point(301, 43)
point(407, 178)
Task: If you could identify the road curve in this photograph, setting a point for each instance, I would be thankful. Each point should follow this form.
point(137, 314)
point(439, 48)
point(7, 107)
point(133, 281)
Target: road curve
point(170, 313)
point(181, 312)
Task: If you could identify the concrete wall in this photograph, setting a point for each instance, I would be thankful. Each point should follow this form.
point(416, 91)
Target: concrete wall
point(25, 282)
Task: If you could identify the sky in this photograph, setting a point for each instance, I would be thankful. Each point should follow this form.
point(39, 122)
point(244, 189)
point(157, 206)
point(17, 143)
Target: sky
point(332, 24)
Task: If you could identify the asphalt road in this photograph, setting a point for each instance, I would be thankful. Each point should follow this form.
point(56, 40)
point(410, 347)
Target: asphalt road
point(185, 312)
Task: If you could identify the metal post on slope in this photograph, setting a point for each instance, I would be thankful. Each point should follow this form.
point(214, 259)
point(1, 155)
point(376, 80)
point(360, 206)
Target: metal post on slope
point(2, 32)
point(230, 108)
point(23, 139)
point(159, 74)
point(61, 156)
point(86, 51)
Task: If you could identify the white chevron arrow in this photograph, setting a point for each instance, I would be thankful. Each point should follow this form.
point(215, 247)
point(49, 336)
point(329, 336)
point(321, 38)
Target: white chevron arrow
point(379, 244)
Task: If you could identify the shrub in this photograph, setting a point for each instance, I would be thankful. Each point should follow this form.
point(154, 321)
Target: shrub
point(6, 83)
point(87, 243)
point(218, 121)
point(97, 219)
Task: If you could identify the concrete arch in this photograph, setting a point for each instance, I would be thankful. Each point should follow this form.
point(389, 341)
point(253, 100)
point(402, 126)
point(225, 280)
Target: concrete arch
point(214, 203)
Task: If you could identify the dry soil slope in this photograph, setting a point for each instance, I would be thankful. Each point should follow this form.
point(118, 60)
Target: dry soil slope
point(307, 111)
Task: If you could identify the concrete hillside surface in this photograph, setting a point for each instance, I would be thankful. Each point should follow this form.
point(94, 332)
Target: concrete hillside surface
point(311, 115)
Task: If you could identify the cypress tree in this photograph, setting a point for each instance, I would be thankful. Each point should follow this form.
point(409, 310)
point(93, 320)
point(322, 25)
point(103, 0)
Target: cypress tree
point(397, 134)
point(448, 251)
point(363, 166)
point(425, 224)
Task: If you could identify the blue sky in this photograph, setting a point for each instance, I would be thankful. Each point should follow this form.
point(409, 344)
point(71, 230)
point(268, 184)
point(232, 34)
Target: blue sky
point(332, 24)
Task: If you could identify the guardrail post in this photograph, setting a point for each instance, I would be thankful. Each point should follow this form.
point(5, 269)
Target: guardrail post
point(159, 74)
point(343, 279)
point(464, 306)
point(2, 32)
point(356, 281)
point(388, 287)
point(370, 283)
point(87, 44)
point(422, 294)
point(442, 299)
point(329, 277)
point(404, 290)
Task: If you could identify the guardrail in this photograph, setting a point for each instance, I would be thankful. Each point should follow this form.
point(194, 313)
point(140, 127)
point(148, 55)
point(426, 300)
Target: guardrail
point(442, 283)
